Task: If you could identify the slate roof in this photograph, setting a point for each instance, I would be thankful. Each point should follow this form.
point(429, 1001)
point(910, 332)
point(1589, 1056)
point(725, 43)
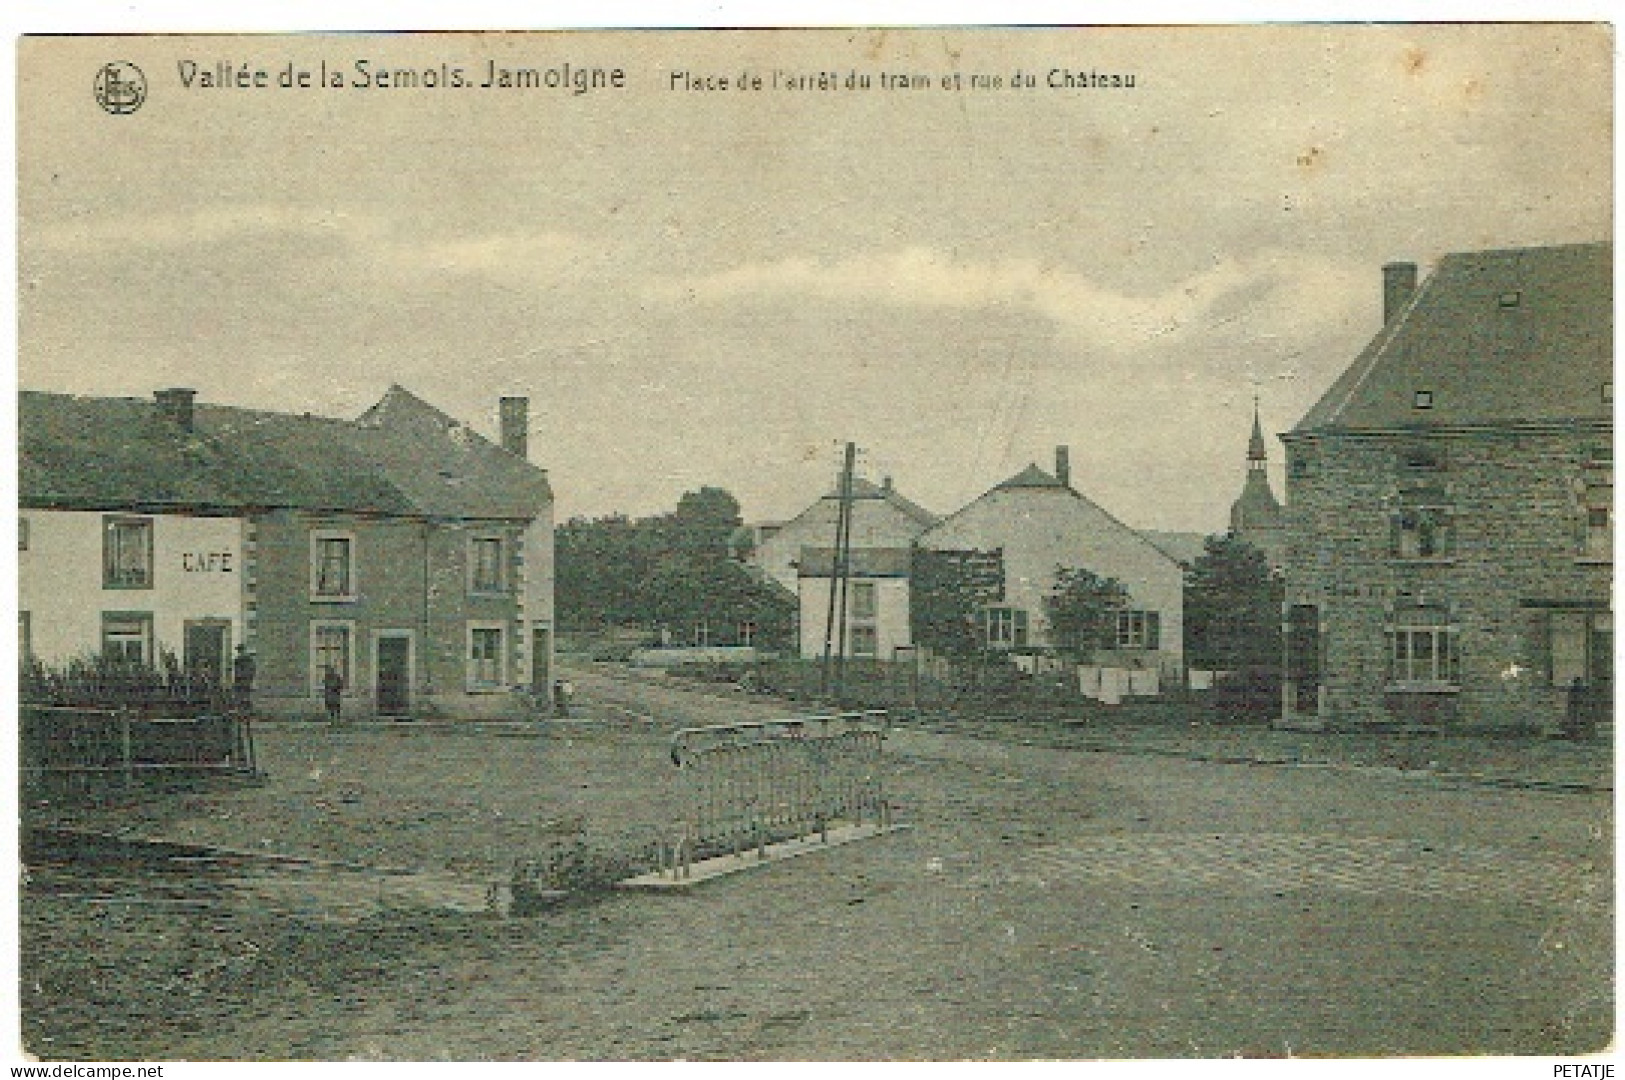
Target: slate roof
point(1496, 337)
point(403, 457)
point(1182, 547)
point(1032, 477)
point(864, 489)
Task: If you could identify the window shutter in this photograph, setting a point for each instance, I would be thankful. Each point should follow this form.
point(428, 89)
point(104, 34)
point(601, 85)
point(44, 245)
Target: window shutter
point(1153, 630)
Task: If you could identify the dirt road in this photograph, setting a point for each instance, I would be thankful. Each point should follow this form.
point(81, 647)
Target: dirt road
point(1046, 904)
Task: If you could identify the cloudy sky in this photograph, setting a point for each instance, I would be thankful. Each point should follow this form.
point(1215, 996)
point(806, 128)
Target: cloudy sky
point(721, 287)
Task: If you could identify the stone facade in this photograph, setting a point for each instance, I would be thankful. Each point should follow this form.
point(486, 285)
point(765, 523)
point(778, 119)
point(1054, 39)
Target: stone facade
point(1041, 524)
point(1511, 554)
point(1449, 506)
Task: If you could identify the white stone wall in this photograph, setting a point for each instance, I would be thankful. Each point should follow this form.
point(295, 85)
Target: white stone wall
point(875, 524)
point(891, 620)
point(1043, 529)
point(197, 574)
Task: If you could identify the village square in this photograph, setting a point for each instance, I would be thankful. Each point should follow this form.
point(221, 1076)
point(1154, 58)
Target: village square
point(985, 691)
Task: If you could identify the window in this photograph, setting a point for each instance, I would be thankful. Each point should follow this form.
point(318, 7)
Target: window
point(127, 636)
point(485, 656)
point(1139, 629)
point(1579, 645)
point(1422, 532)
point(702, 634)
point(25, 636)
point(747, 633)
point(1511, 299)
point(1597, 523)
point(1421, 458)
point(22, 534)
point(1608, 392)
point(865, 642)
point(330, 648)
point(863, 601)
point(485, 564)
point(127, 553)
point(332, 566)
point(1005, 627)
point(1422, 647)
point(1423, 399)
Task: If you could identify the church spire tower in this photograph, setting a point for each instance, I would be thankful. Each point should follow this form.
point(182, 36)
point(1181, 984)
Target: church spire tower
point(1257, 455)
point(1256, 516)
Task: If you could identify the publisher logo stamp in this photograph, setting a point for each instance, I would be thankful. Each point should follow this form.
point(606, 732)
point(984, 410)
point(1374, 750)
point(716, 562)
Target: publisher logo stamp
point(120, 88)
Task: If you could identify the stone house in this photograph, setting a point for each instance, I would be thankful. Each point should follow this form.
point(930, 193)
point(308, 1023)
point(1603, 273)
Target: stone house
point(1449, 561)
point(1040, 523)
point(799, 556)
point(402, 549)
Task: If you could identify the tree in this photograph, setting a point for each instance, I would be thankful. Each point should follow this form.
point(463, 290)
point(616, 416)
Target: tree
point(1082, 610)
point(674, 570)
point(1232, 607)
point(600, 566)
point(947, 592)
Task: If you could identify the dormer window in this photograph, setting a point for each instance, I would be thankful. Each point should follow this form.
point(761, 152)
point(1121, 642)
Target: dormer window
point(1423, 399)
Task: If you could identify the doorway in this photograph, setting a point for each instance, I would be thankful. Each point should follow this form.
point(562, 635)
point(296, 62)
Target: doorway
point(392, 673)
point(206, 650)
point(541, 663)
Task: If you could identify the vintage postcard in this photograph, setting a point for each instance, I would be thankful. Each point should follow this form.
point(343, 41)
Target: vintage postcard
point(907, 544)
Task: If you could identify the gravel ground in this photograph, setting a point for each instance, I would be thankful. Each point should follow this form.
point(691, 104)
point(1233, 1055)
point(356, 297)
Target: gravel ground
point(1046, 903)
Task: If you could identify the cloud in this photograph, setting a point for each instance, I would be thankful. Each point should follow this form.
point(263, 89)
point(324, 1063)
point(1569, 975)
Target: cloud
point(210, 225)
point(1271, 293)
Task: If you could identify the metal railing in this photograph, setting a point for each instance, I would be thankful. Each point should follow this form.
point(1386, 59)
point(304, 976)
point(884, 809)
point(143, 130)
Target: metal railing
point(753, 784)
point(78, 746)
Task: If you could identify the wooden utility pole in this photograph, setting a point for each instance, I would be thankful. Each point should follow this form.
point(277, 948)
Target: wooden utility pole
point(835, 616)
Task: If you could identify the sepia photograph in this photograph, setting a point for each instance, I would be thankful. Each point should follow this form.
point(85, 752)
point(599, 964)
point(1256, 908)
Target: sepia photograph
point(877, 544)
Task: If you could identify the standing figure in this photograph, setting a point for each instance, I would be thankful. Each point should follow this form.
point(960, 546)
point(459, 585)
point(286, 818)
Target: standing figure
point(242, 680)
point(333, 693)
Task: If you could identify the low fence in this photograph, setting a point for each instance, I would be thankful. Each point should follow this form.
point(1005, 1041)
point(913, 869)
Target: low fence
point(77, 747)
point(753, 784)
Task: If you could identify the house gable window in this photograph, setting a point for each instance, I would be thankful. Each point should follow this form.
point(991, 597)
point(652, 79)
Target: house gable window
point(127, 636)
point(1004, 627)
point(487, 669)
point(864, 600)
point(1421, 648)
point(331, 646)
point(332, 565)
point(1139, 630)
point(127, 553)
point(485, 565)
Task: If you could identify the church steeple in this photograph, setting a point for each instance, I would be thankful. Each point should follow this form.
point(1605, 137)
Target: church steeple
point(1257, 456)
point(1255, 516)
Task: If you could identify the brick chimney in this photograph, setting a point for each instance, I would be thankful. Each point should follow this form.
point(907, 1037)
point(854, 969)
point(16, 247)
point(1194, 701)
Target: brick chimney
point(1063, 465)
point(515, 419)
point(175, 405)
point(1398, 283)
